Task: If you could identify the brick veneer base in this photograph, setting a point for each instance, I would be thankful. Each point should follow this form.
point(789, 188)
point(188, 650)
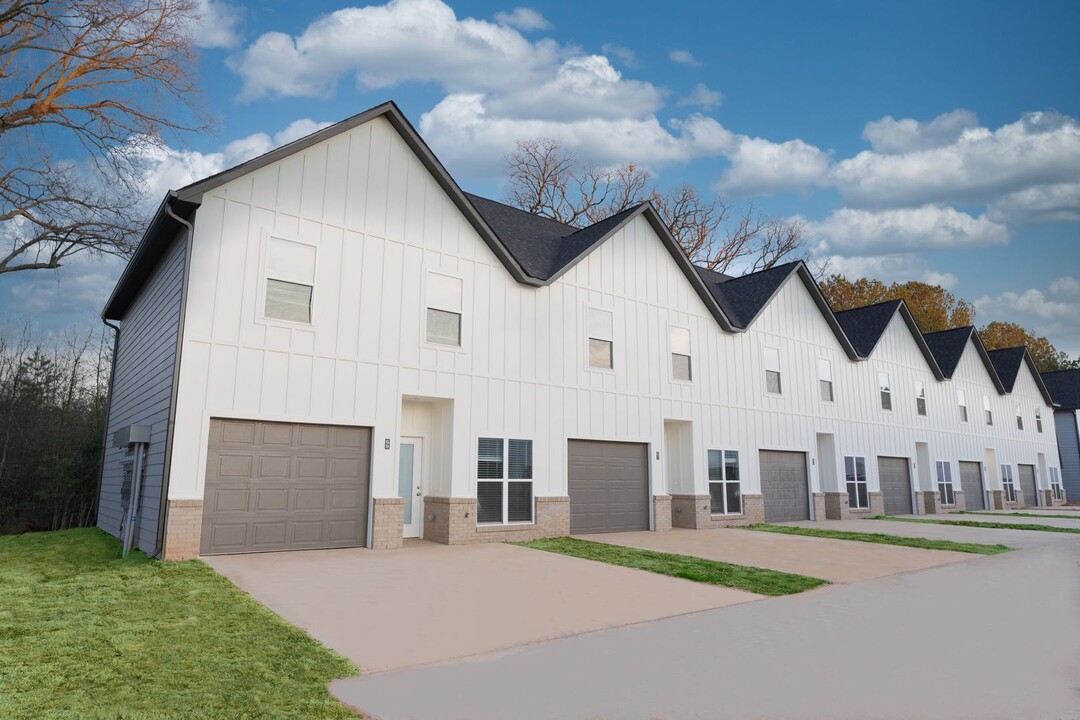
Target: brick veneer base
point(661, 513)
point(997, 499)
point(183, 529)
point(926, 502)
point(693, 512)
point(1049, 501)
point(387, 523)
point(838, 507)
point(452, 521)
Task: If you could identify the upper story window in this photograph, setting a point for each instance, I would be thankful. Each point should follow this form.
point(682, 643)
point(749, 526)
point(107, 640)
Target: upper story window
point(680, 354)
point(944, 481)
point(920, 397)
point(962, 401)
point(601, 339)
point(443, 309)
point(1007, 485)
point(1019, 418)
point(773, 383)
point(504, 481)
point(825, 381)
point(724, 491)
point(1038, 419)
point(857, 490)
point(290, 280)
point(885, 390)
point(986, 410)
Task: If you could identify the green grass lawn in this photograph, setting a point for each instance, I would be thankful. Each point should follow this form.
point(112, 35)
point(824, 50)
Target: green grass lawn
point(84, 634)
point(981, 524)
point(1020, 514)
point(742, 577)
point(883, 539)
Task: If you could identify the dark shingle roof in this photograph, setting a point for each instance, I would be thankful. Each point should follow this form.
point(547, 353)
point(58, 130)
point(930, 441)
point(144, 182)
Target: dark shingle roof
point(948, 346)
point(1007, 362)
point(542, 246)
point(743, 298)
point(865, 325)
point(1064, 387)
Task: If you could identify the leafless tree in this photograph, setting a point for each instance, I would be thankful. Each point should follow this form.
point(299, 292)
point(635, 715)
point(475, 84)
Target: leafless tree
point(87, 87)
point(547, 180)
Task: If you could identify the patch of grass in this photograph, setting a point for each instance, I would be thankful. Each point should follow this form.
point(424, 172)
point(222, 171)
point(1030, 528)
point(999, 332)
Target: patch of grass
point(883, 539)
point(1019, 514)
point(84, 634)
point(981, 524)
point(742, 577)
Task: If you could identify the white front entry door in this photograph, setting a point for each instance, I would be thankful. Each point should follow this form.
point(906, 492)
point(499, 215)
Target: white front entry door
point(410, 483)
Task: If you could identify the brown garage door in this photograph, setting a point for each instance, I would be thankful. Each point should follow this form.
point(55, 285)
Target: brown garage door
point(895, 481)
point(284, 486)
point(783, 486)
point(971, 484)
point(609, 486)
point(1027, 484)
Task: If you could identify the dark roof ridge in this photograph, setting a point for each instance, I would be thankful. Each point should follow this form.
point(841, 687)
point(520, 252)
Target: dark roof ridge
point(871, 305)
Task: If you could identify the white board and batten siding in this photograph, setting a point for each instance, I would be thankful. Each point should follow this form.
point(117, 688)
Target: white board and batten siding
point(142, 393)
point(380, 224)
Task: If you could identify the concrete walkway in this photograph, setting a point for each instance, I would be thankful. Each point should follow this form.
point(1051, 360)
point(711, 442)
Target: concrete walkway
point(1005, 518)
point(995, 637)
point(941, 531)
point(833, 560)
point(427, 602)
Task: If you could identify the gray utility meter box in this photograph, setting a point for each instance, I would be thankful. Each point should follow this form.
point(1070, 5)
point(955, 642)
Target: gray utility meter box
point(130, 435)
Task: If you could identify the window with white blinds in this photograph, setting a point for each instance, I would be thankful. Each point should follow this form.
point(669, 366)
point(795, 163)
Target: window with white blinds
point(290, 281)
point(944, 481)
point(885, 390)
point(1038, 419)
point(444, 299)
point(773, 383)
point(920, 397)
point(825, 381)
point(989, 416)
point(601, 339)
point(962, 401)
point(680, 354)
point(504, 481)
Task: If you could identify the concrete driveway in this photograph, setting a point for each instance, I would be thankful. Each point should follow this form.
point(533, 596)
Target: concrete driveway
point(991, 638)
point(833, 560)
point(942, 531)
point(1044, 518)
point(427, 602)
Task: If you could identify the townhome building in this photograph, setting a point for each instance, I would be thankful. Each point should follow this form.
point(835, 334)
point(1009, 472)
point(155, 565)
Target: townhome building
point(332, 345)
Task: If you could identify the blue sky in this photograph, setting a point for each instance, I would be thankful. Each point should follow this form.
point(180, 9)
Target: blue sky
point(930, 141)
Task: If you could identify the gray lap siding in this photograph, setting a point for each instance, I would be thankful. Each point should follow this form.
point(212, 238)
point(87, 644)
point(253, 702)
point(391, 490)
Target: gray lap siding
point(142, 393)
point(1069, 446)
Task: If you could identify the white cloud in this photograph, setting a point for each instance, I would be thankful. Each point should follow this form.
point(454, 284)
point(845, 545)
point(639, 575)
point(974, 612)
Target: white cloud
point(468, 136)
point(624, 55)
point(979, 167)
point(1051, 314)
point(523, 18)
point(216, 25)
point(684, 57)
point(702, 97)
point(760, 166)
point(849, 231)
point(890, 136)
point(1042, 203)
point(890, 268)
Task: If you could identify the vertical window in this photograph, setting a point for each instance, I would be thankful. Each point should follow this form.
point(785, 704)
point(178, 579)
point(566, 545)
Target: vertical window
point(944, 483)
point(920, 397)
point(601, 339)
point(1007, 483)
point(963, 405)
point(443, 309)
point(1019, 418)
point(772, 371)
point(825, 381)
point(504, 478)
point(857, 491)
point(885, 389)
point(680, 354)
point(724, 489)
point(290, 281)
point(986, 410)
point(1038, 419)
point(1055, 483)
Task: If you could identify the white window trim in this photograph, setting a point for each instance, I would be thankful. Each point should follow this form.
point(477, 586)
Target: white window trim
point(961, 401)
point(1038, 420)
point(882, 393)
point(921, 384)
point(830, 380)
point(1056, 488)
point(506, 438)
point(725, 482)
point(944, 479)
point(988, 414)
point(865, 480)
point(672, 354)
point(588, 336)
point(1019, 417)
point(264, 275)
point(464, 326)
point(765, 371)
point(1008, 483)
